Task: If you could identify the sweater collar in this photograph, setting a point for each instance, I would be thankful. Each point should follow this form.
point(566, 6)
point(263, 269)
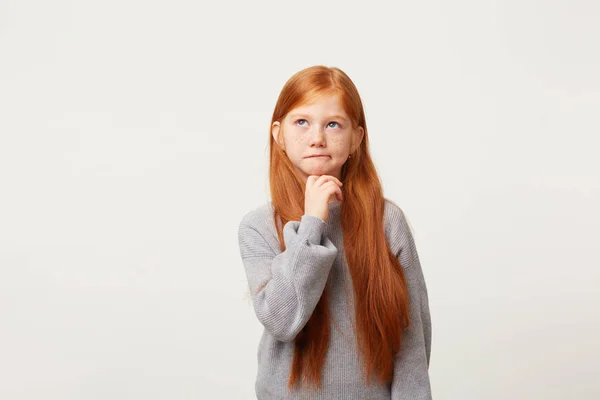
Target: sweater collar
point(334, 210)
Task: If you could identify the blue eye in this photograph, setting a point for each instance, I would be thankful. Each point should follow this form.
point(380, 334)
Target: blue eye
point(332, 122)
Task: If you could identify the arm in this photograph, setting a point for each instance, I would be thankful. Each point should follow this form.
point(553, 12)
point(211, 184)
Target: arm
point(286, 287)
point(411, 369)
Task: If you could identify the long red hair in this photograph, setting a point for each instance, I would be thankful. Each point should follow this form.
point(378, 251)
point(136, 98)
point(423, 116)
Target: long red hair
point(380, 291)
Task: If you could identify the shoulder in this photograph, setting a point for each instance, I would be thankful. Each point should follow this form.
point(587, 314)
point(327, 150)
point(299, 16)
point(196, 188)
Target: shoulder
point(392, 210)
point(257, 224)
point(257, 215)
point(393, 215)
point(396, 226)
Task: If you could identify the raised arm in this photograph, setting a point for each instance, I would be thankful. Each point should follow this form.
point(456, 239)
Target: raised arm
point(286, 287)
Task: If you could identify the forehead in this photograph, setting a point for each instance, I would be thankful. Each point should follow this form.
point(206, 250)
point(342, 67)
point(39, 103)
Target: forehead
point(324, 106)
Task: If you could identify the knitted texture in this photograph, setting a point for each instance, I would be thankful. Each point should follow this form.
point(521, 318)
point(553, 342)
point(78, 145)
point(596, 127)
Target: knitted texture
point(286, 287)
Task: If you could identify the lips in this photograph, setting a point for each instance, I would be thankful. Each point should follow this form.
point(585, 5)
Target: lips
point(318, 155)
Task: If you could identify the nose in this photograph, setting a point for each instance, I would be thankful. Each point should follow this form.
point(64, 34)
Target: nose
point(317, 137)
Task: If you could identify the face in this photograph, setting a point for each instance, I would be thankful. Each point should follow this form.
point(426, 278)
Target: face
point(318, 137)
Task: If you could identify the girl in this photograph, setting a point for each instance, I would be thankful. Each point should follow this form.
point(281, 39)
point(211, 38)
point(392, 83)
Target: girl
point(332, 266)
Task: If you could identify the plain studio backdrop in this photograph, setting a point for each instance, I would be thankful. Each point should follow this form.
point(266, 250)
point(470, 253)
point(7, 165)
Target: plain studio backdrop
point(134, 137)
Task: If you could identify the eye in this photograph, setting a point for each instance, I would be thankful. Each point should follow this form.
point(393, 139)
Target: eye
point(298, 122)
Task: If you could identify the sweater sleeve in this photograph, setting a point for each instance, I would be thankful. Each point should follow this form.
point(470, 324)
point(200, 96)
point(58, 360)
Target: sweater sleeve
point(286, 287)
point(411, 368)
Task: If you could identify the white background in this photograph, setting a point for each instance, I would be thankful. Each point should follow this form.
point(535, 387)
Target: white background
point(133, 137)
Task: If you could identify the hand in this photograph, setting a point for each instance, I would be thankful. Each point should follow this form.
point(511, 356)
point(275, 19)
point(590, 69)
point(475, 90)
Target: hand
point(320, 190)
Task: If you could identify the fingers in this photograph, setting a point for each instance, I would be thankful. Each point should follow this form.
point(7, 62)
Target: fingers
point(333, 189)
point(338, 193)
point(330, 183)
point(320, 180)
point(311, 180)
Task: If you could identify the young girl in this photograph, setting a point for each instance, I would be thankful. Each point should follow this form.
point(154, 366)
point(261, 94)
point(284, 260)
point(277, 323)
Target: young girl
point(332, 266)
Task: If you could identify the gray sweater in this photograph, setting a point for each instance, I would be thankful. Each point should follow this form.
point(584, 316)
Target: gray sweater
point(291, 284)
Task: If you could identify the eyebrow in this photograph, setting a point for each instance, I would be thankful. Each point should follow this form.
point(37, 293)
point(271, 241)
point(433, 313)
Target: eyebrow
point(292, 116)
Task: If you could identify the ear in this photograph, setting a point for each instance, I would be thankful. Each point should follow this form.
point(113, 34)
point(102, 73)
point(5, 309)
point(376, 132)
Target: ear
point(359, 134)
point(275, 129)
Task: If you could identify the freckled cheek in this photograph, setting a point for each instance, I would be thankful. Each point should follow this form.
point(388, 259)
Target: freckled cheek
point(338, 141)
point(338, 145)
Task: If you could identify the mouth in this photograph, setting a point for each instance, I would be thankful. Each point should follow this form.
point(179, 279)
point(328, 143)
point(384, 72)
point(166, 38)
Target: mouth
point(318, 156)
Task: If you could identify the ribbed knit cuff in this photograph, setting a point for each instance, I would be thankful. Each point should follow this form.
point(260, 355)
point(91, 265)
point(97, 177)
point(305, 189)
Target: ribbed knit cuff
point(311, 227)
